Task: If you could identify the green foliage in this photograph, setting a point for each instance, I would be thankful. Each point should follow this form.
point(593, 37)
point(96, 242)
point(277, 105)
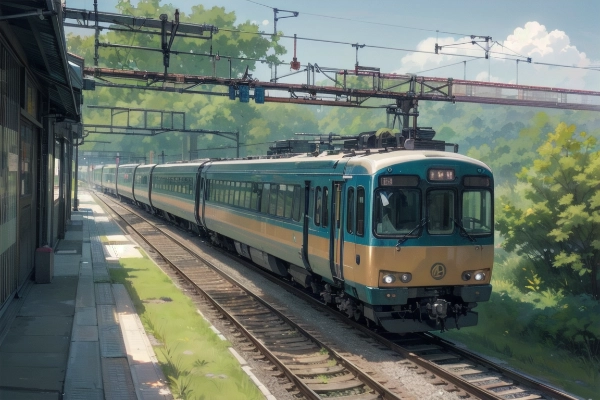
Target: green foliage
point(557, 229)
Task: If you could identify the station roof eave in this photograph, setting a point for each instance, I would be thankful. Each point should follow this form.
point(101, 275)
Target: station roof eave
point(37, 25)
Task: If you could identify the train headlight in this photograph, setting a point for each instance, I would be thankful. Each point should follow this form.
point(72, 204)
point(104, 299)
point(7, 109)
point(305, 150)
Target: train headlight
point(467, 276)
point(406, 277)
point(479, 276)
point(389, 279)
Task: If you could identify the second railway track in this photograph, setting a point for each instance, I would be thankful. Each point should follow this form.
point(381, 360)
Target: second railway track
point(311, 367)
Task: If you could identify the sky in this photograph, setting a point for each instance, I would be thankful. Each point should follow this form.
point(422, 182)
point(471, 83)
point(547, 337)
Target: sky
point(400, 37)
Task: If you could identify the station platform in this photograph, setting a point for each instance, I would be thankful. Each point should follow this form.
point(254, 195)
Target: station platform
point(77, 337)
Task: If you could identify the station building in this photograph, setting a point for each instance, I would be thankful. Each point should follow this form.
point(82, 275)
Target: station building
point(40, 104)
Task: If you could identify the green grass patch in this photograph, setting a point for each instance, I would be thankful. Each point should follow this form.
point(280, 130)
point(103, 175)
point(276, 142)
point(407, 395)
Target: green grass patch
point(196, 362)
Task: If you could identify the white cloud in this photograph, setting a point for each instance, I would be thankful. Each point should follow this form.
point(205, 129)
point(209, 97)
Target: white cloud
point(532, 40)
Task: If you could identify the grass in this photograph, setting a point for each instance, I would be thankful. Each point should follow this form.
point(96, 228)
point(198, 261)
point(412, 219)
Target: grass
point(544, 361)
point(196, 362)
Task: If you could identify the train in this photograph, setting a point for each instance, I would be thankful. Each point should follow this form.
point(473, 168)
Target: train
point(399, 236)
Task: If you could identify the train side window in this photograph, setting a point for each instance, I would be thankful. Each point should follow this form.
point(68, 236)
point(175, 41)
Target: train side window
point(289, 200)
point(350, 211)
point(318, 206)
point(230, 192)
point(297, 205)
point(264, 199)
point(273, 200)
point(281, 200)
point(255, 196)
point(247, 194)
point(325, 207)
point(236, 194)
point(221, 192)
point(360, 211)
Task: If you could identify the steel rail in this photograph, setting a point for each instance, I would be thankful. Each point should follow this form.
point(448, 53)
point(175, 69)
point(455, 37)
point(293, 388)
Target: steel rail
point(436, 369)
point(302, 387)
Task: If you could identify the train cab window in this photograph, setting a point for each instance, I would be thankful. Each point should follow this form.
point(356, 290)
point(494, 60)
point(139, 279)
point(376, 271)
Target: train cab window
point(360, 211)
point(325, 219)
point(297, 206)
point(440, 212)
point(318, 206)
point(476, 217)
point(350, 211)
point(397, 211)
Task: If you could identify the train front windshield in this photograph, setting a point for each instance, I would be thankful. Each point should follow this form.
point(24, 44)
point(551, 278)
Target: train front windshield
point(398, 212)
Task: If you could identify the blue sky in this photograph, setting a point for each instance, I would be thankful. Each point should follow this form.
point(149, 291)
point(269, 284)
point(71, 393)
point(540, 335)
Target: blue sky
point(548, 31)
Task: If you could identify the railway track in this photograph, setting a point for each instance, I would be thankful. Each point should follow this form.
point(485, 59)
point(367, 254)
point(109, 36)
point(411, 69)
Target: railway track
point(314, 368)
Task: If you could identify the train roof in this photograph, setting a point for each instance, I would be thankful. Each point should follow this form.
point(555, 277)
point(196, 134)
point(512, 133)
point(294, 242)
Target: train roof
point(370, 161)
point(178, 167)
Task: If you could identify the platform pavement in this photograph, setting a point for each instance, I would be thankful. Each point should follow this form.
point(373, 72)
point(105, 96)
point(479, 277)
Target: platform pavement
point(77, 337)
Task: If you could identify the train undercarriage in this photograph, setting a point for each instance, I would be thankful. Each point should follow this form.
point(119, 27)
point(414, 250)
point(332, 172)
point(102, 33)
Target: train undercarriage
point(431, 309)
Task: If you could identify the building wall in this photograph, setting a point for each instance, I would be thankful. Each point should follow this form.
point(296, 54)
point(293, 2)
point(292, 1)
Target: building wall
point(9, 171)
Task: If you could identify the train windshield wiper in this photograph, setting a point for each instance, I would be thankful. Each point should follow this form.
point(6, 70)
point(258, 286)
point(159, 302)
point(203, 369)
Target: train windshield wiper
point(405, 237)
point(471, 238)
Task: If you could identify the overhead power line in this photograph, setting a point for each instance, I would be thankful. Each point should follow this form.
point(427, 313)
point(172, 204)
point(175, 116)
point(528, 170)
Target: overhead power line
point(370, 22)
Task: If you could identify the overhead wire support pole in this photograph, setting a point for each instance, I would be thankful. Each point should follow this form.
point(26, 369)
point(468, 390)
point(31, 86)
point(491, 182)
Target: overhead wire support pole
point(96, 34)
point(166, 47)
point(275, 19)
point(357, 47)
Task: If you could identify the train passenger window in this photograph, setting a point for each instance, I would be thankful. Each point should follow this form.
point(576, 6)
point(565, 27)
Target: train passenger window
point(350, 211)
point(255, 196)
point(281, 200)
point(289, 199)
point(440, 212)
point(273, 200)
point(247, 194)
point(264, 199)
point(318, 206)
point(297, 208)
point(360, 211)
point(229, 199)
point(325, 219)
point(236, 194)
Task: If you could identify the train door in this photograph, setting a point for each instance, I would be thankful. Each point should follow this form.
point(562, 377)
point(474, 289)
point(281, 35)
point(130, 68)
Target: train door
point(336, 250)
point(354, 229)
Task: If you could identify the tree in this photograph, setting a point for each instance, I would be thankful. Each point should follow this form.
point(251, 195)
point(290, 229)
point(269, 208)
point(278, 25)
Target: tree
point(558, 228)
point(242, 42)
